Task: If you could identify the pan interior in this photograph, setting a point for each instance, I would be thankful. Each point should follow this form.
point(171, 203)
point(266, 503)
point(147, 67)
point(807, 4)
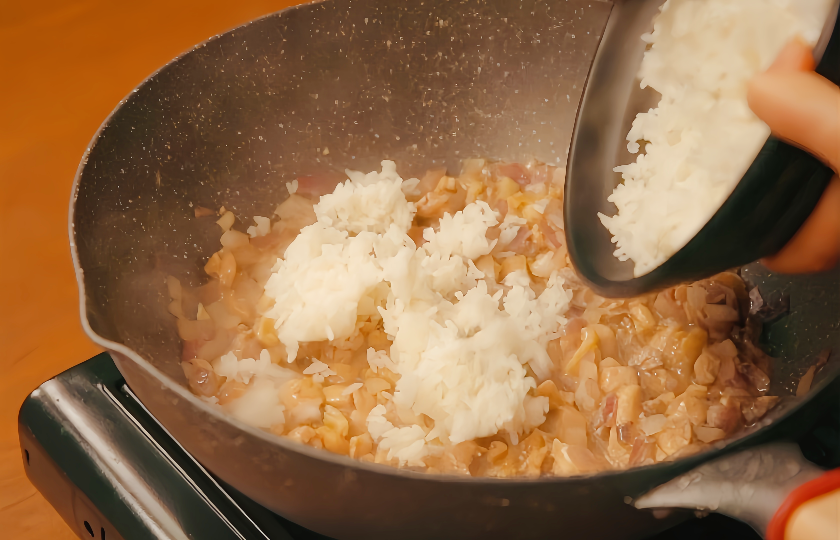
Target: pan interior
point(312, 90)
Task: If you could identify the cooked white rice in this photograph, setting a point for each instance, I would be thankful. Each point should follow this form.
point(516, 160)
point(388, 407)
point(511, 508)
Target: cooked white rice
point(461, 352)
point(703, 136)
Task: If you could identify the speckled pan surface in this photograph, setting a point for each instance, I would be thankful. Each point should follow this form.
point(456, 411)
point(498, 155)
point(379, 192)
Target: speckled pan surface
point(327, 86)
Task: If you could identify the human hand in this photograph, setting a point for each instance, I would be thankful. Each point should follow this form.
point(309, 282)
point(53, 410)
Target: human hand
point(803, 108)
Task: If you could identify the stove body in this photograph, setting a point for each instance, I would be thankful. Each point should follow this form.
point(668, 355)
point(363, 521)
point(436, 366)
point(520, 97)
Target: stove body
point(114, 473)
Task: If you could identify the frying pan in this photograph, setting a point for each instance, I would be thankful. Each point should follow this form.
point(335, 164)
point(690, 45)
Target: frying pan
point(345, 83)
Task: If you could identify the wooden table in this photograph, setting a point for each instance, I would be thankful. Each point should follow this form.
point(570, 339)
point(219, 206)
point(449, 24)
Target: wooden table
point(64, 65)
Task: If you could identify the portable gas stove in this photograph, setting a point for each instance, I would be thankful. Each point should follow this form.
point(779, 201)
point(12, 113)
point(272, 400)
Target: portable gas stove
point(113, 472)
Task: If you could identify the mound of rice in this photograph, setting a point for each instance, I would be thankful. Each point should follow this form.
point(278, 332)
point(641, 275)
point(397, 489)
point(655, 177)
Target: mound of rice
point(460, 351)
point(703, 136)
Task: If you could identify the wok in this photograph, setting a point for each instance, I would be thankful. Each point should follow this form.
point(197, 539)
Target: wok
point(346, 83)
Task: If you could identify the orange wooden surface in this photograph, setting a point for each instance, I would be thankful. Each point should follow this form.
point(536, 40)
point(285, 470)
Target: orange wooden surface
point(64, 65)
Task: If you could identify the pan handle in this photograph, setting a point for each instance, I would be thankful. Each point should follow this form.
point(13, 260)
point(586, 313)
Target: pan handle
point(810, 512)
point(773, 488)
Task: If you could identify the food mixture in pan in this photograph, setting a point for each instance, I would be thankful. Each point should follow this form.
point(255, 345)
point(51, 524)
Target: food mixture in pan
point(436, 324)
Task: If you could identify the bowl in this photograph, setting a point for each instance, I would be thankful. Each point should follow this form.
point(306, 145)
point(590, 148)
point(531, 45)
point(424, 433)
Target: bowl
point(765, 210)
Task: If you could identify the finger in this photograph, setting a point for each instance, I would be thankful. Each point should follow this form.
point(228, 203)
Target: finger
point(800, 107)
point(795, 56)
point(816, 246)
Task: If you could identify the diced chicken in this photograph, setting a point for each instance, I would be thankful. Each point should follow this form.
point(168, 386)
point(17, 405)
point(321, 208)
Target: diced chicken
point(709, 434)
point(651, 425)
point(706, 368)
point(606, 412)
point(569, 425)
point(757, 378)
point(672, 440)
point(692, 345)
point(588, 395)
point(754, 410)
point(201, 377)
point(617, 451)
point(726, 417)
point(570, 460)
point(659, 404)
point(360, 445)
point(643, 452)
point(668, 307)
point(613, 378)
point(629, 406)
point(589, 344)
